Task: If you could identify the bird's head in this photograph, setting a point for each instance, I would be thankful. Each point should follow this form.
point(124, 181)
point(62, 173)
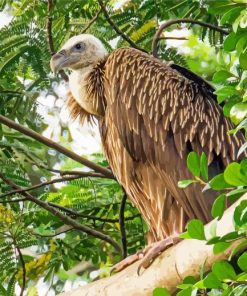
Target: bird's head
point(78, 52)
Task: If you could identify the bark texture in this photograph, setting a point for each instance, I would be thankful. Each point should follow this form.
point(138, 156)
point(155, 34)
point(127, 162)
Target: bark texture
point(168, 270)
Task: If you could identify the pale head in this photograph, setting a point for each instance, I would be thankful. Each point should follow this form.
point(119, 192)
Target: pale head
point(78, 52)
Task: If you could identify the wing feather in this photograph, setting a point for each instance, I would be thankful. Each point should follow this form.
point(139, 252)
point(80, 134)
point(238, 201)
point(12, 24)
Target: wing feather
point(160, 115)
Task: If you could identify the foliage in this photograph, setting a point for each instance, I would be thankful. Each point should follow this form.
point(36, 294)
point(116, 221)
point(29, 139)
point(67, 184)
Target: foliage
point(226, 277)
point(24, 67)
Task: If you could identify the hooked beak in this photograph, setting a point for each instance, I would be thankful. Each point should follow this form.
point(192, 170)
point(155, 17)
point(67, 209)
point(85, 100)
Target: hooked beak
point(59, 61)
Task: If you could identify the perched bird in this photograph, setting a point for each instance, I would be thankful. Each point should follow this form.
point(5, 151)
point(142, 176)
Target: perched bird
point(151, 114)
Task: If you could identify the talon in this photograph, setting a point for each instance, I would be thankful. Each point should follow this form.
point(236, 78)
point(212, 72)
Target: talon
point(125, 263)
point(147, 255)
point(154, 250)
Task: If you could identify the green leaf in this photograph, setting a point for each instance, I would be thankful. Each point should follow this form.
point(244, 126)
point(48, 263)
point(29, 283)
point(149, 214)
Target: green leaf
point(242, 261)
point(219, 183)
point(161, 292)
point(233, 175)
point(230, 15)
point(226, 91)
point(241, 246)
point(184, 235)
point(236, 192)
point(243, 59)
point(240, 213)
point(243, 165)
point(223, 270)
point(193, 163)
point(212, 282)
point(221, 247)
point(189, 280)
point(230, 236)
point(186, 292)
point(195, 229)
point(185, 183)
point(204, 166)
point(230, 42)
point(221, 76)
point(238, 112)
point(242, 149)
point(13, 55)
point(219, 206)
point(242, 277)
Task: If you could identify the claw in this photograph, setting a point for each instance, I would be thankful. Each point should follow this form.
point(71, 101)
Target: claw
point(125, 262)
point(147, 255)
point(154, 250)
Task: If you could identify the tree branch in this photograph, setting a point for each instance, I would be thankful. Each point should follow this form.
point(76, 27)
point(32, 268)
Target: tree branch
point(23, 271)
point(95, 218)
point(122, 226)
point(67, 220)
point(73, 173)
point(169, 269)
point(172, 38)
point(30, 133)
point(49, 27)
point(58, 180)
point(92, 21)
point(49, 36)
point(178, 21)
point(117, 29)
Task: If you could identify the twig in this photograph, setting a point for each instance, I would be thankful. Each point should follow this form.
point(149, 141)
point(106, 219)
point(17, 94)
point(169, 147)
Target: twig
point(30, 133)
point(74, 173)
point(58, 180)
point(49, 27)
point(67, 220)
point(92, 21)
point(122, 226)
point(23, 270)
point(50, 39)
point(13, 200)
point(117, 29)
point(66, 229)
point(178, 21)
point(172, 38)
point(76, 214)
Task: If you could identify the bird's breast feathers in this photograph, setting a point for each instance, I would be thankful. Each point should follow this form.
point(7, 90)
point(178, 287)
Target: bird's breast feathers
point(77, 86)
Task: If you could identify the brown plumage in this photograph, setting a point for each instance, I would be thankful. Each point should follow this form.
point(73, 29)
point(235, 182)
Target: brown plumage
point(151, 115)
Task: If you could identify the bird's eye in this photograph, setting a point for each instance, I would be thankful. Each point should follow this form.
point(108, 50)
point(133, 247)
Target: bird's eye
point(78, 46)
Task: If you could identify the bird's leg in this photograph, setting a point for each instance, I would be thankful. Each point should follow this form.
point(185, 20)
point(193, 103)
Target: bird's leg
point(147, 255)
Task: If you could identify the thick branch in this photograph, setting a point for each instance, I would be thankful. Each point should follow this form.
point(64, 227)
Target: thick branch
point(67, 220)
point(30, 133)
point(178, 21)
point(117, 29)
point(168, 270)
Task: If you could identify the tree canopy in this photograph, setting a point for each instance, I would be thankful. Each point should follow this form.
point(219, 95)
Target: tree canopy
point(58, 234)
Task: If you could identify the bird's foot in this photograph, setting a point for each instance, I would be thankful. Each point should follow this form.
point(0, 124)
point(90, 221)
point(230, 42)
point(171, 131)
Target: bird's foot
point(147, 255)
point(126, 262)
point(153, 251)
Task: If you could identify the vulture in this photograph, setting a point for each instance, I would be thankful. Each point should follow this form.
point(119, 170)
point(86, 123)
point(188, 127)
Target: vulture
point(151, 114)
